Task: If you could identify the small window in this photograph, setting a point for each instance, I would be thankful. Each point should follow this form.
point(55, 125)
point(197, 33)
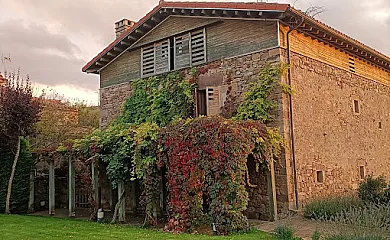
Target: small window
point(320, 176)
point(362, 172)
point(147, 61)
point(380, 125)
point(202, 102)
point(352, 64)
point(356, 107)
point(198, 47)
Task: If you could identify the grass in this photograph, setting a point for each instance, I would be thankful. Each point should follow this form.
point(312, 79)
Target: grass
point(32, 227)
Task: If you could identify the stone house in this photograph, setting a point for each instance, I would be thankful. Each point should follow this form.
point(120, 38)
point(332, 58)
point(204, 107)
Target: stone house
point(336, 123)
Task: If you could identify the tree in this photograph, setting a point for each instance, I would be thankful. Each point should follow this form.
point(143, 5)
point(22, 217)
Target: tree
point(19, 111)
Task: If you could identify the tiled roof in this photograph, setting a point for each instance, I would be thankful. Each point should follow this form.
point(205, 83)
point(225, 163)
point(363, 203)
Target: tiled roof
point(191, 5)
point(371, 54)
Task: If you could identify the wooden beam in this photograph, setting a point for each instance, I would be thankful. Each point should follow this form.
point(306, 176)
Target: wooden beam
point(117, 49)
point(155, 19)
point(91, 70)
point(71, 188)
point(104, 60)
point(111, 54)
point(273, 205)
point(32, 192)
point(260, 14)
point(98, 64)
point(131, 38)
point(52, 202)
point(139, 31)
point(95, 184)
point(122, 209)
point(125, 43)
point(145, 25)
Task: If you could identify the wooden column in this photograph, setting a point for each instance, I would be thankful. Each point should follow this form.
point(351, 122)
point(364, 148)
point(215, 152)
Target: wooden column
point(71, 188)
point(95, 185)
point(121, 199)
point(273, 205)
point(32, 192)
point(52, 202)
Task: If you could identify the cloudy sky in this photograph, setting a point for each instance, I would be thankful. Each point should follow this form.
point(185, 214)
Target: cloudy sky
point(52, 39)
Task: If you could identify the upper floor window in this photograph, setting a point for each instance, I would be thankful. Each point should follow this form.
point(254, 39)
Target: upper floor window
point(171, 54)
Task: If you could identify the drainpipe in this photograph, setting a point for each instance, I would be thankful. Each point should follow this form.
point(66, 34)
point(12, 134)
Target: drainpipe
point(291, 115)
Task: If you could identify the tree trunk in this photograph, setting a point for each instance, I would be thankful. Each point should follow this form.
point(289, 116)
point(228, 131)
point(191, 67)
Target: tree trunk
point(11, 178)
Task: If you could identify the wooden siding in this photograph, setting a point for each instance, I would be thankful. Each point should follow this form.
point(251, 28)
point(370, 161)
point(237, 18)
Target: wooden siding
point(125, 68)
point(299, 43)
point(237, 37)
point(174, 25)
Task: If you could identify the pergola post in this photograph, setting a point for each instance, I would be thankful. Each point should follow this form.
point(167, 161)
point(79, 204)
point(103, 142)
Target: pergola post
point(273, 205)
point(95, 184)
point(31, 197)
point(71, 188)
point(122, 203)
point(52, 202)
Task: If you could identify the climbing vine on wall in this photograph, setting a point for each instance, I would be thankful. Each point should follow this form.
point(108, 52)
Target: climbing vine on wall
point(206, 165)
point(159, 100)
point(257, 103)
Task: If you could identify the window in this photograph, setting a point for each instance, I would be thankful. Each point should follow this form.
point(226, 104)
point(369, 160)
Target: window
point(190, 49)
point(147, 61)
point(155, 59)
point(177, 52)
point(362, 172)
point(356, 107)
point(352, 64)
point(380, 125)
point(320, 176)
point(201, 102)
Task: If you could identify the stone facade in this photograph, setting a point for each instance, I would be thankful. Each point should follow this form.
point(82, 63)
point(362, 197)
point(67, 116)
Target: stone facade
point(330, 136)
point(111, 100)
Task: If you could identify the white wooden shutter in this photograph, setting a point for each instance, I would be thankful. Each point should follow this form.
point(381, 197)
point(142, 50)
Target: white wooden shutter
point(147, 67)
point(162, 57)
point(213, 101)
point(182, 51)
point(198, 47)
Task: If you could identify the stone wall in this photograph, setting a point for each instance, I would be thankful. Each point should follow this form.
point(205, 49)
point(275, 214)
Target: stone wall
point(330, 136)
point(111, 101)
point(231, 76)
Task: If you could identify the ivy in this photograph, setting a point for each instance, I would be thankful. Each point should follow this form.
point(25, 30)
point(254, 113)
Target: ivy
point(206, 159)
point(257, 104)
point(159, 100)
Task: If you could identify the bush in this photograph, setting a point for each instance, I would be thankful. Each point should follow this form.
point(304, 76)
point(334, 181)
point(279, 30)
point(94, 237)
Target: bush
point(374, 190)
point(325, 209)
point(347, 237)
point(372, 215)
point(285, 233)
point(21, 185)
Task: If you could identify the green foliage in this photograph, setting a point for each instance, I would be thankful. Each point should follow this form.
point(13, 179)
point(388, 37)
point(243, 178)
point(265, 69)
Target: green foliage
point(325, 209)
point(316, 236)
point(374, 190)
point(20, 186)
point(159, 100)
point(257, 104)
point(355, 237)
point(206, 159)
point(114, 146)
point(284, 232)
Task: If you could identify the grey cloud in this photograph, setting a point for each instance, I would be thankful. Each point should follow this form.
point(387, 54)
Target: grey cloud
point(34, 36)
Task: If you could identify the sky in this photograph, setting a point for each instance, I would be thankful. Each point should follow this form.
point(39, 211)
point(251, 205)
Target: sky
point(51, 40)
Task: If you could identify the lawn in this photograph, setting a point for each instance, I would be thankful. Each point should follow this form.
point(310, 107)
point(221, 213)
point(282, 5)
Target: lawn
point(33, 227)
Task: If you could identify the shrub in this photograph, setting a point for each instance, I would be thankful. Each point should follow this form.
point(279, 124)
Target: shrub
point(21, 187)
point(347, 237)
point(372, 215)
point(325, 209)
point(374, 190)
point(284, 232)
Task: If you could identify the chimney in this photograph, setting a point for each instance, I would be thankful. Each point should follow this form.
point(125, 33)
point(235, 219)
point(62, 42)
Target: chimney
point(3, 81)
point(122, 25)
